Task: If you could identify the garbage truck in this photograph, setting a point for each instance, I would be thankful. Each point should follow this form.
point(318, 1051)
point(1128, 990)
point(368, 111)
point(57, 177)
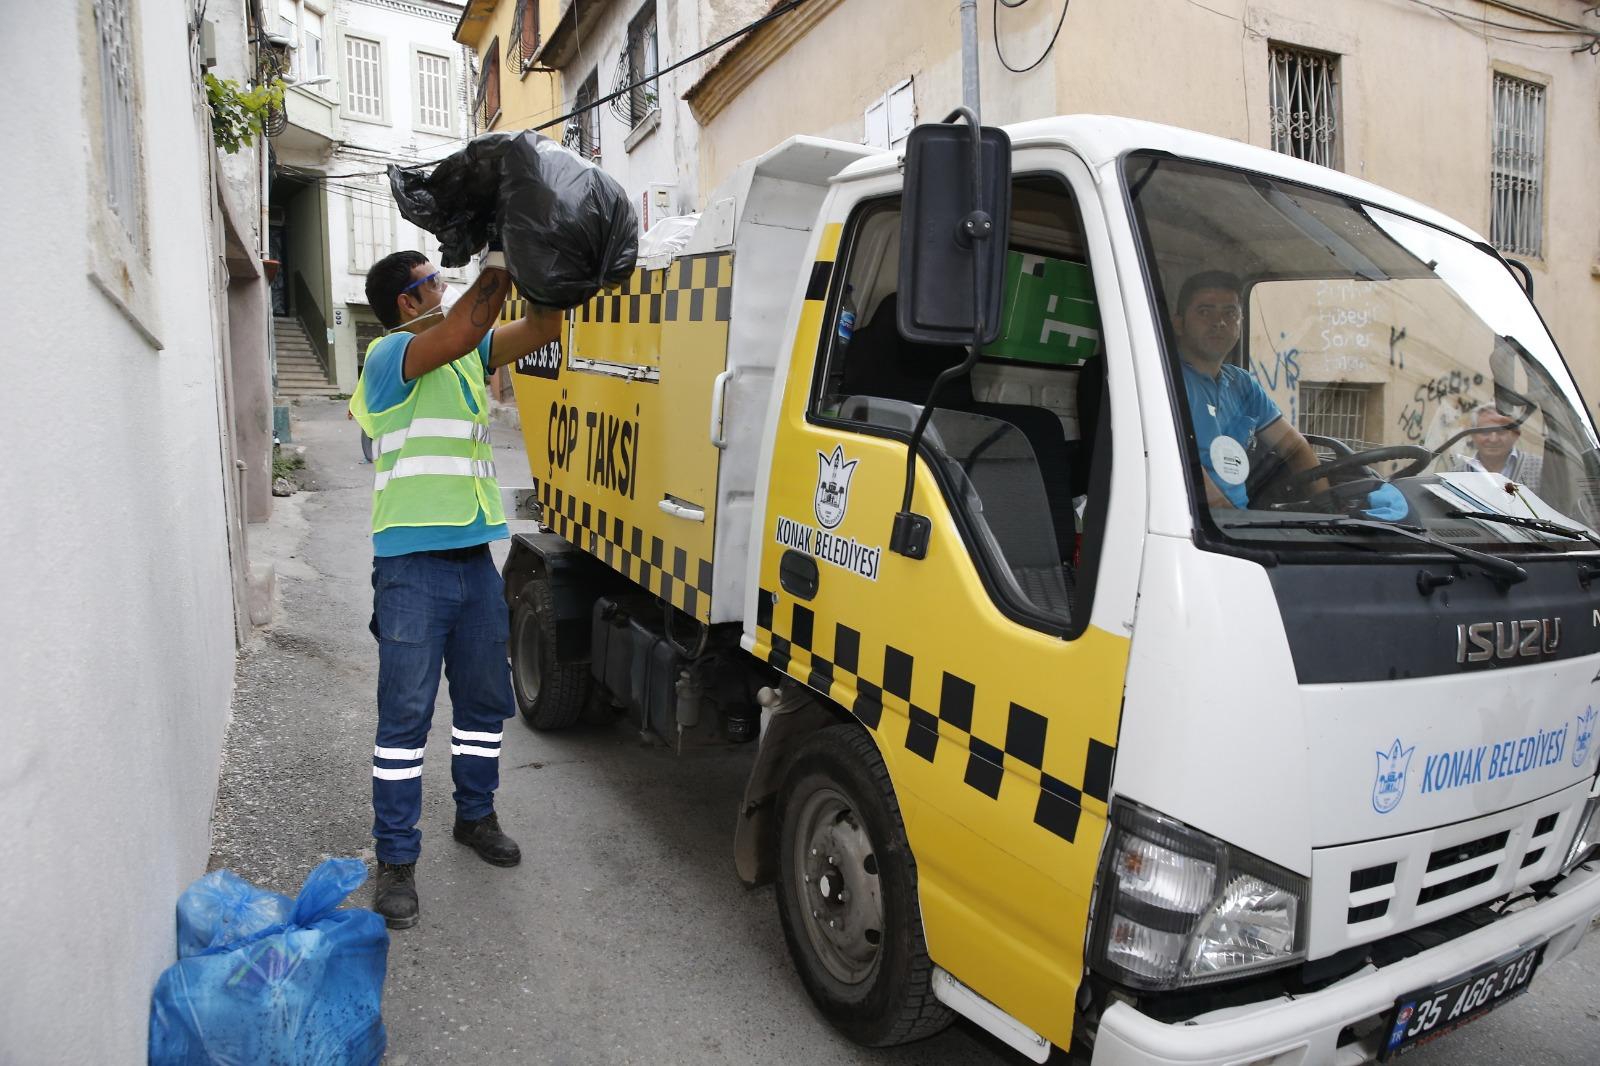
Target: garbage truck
point(1080, 705)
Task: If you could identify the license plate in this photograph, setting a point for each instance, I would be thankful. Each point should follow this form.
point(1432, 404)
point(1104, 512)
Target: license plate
point(1428, 1014)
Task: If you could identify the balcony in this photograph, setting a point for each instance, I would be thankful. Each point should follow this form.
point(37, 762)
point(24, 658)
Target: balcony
point(313, 128)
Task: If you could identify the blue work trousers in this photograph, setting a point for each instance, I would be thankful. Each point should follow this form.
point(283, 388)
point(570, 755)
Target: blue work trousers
point(432, 611)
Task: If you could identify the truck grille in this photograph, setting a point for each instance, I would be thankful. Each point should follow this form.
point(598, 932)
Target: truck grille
point(1363, 892)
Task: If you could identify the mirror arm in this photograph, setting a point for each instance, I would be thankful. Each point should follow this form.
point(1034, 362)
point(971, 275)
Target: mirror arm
point(910, 534)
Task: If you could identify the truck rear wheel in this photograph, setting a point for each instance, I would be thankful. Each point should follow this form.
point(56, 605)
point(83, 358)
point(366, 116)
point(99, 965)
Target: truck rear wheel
point(550, 694)
point(847, 893)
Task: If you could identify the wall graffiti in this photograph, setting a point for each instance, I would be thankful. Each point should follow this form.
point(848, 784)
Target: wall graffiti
point(1284, 370)
point(1413, 417)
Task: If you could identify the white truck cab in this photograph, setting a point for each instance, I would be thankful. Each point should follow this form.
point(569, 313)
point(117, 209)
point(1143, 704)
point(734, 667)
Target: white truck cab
point(1163, 567)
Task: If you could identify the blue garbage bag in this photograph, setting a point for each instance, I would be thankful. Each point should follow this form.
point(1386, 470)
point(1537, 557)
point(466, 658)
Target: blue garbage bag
point(261, 978)
point(223, 908)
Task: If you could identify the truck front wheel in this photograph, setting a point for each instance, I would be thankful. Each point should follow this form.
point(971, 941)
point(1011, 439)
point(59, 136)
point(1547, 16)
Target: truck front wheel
point(550, 694)
point(847, 893)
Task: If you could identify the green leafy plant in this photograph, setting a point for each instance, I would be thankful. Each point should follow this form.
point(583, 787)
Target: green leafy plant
point(287, 464)
point(239, 114)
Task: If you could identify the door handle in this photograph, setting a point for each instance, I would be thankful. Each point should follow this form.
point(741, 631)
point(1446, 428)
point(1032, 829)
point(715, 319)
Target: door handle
point(719, 392)
point(797, 573)
point(682, 509)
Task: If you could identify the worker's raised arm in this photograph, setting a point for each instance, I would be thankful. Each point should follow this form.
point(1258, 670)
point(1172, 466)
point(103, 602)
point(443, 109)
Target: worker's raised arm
point(516, 339)
point(463, 327)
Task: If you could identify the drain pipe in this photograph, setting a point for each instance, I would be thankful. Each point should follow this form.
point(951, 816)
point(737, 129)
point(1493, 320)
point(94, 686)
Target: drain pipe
point(969, 57)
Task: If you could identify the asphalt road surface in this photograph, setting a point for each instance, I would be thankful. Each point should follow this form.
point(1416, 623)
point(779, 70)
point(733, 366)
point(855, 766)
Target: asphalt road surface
point(624, 936)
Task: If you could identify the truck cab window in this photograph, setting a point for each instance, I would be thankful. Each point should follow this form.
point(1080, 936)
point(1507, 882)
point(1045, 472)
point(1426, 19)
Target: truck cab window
point(1014, 443)
point(1338, 360)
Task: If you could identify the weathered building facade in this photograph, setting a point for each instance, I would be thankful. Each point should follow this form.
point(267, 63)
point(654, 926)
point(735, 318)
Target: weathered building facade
point(394, 88)
point(1488, 111)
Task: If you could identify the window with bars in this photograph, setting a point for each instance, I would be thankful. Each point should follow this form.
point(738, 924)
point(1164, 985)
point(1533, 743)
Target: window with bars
point(1340, 410)
point(583, 131)
point(524, 40)
point(488, 102)
point(363, 80)
point(433, 93)
point(1516, 173)
point(371, 226)
point(1304, 104)
point(118, 139)
point(643, 62)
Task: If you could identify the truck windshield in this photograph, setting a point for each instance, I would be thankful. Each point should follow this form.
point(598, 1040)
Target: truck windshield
point(1330, 357)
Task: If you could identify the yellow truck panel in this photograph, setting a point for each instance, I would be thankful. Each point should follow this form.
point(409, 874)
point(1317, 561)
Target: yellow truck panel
point(1002, 771)
point(618, 425)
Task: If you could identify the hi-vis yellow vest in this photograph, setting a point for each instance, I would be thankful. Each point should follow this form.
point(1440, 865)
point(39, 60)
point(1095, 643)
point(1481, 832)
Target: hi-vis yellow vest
point(434, 464)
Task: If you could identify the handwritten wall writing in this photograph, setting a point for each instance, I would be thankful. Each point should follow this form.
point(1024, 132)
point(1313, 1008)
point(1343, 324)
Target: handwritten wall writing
point(1283, 369)
point(1414, 414)
point(1351, 314)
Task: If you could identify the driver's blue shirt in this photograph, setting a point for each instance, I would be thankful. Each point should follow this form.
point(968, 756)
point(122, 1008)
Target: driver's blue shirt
point(1233, 404)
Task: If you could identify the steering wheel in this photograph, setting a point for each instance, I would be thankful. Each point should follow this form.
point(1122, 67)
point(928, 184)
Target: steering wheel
point(1302, 479)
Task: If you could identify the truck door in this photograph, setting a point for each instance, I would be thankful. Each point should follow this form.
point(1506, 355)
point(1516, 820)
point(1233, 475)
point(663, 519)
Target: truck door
point(990, 672)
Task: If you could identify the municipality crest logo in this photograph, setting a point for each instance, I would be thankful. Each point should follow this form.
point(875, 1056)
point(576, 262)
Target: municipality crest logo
point(1389, 786)
point(1585, 737)
point(833, 486)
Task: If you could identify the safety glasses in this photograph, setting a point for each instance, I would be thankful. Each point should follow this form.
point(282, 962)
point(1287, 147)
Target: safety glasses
point(430, 280)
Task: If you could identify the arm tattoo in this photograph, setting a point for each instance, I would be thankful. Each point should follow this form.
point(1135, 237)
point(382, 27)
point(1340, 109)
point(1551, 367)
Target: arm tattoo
point(485, 305)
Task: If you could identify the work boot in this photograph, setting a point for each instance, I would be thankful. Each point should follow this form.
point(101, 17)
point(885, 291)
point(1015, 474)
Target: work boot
point(394, 894)
point(484, 837)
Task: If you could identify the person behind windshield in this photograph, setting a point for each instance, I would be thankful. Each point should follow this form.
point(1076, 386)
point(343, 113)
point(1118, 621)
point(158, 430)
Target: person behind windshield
point(1496, 451)
point(1228, 407)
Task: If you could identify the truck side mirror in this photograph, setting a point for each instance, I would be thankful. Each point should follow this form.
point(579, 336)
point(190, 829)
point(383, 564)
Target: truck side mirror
point(954, 230)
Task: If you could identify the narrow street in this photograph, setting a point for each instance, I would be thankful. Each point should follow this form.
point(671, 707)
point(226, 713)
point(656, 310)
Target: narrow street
point(623, 937)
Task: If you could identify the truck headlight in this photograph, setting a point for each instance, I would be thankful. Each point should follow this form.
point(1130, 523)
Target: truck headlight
point(1177, 907)
point(1587, 837)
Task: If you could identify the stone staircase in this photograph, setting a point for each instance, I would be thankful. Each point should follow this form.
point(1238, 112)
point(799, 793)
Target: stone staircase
point(300, 372)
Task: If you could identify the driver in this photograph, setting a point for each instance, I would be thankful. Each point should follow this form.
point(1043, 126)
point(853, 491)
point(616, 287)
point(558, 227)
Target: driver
point(1228, 407)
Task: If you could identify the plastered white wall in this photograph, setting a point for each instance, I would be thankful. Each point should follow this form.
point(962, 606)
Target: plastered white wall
point(117, 637)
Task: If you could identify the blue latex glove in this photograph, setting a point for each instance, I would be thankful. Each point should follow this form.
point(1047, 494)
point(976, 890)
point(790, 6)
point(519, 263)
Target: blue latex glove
point(1386, 504)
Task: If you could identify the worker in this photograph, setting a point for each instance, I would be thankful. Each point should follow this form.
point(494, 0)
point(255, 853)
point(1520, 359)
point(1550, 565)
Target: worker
point(438, 601)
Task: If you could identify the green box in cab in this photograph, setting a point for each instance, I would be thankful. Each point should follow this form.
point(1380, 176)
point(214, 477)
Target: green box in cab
point(1050, 313)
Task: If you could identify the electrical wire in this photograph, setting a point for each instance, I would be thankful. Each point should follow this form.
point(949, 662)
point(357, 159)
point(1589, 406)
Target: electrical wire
point(995, 25)
point(1469, 22)
point(777, 12)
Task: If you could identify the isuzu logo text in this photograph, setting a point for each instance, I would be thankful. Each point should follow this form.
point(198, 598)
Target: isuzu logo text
point(1528, 638)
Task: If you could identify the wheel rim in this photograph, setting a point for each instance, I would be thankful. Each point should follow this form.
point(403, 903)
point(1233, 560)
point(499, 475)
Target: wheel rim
point(525, 663)
point(838, 887)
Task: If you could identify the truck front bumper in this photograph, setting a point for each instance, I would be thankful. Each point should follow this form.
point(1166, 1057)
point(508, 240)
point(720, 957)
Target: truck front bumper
point(1304, 1030)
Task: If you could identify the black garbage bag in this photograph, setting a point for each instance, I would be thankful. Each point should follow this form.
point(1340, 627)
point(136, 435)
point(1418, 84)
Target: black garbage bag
point(457, 200)
point(567, 226)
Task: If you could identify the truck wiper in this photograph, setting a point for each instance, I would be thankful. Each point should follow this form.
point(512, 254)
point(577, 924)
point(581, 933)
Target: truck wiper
point(1493, 565)
point(1543, 525)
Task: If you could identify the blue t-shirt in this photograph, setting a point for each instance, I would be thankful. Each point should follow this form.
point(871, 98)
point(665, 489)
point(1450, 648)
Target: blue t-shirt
point(384, 374)
point(1233, 404)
